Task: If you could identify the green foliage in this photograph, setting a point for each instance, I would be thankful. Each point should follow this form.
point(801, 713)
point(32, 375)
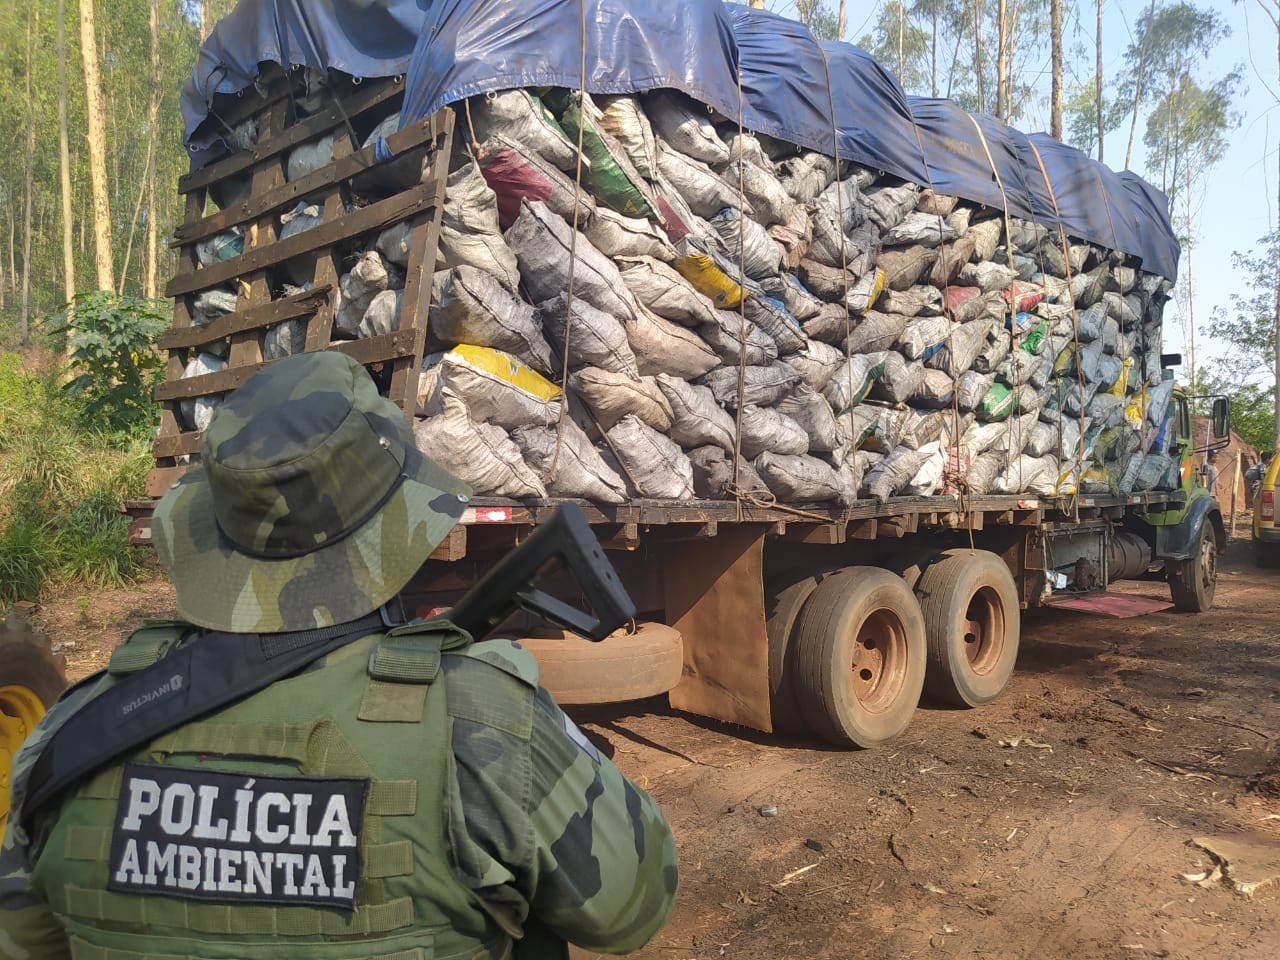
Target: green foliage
point(1247, 326)
point(112, 340)
point(24, 559)
point(1251, 407)
point(1186, 133)
point(61, 489)
point(819, 18)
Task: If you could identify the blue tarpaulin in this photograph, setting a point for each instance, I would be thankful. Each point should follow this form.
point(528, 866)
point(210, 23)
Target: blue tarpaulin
point(741, 62)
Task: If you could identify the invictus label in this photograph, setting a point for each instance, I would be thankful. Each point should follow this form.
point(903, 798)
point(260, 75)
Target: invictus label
point(202, 835)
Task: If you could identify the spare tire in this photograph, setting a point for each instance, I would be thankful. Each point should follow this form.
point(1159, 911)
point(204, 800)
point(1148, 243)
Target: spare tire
point(624, 666)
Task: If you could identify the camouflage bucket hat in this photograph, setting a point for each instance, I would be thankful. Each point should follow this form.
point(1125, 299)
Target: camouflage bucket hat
point(311, 505)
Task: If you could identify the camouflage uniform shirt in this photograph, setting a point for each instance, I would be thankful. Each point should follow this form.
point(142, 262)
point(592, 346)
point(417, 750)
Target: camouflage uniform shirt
point(551, 835)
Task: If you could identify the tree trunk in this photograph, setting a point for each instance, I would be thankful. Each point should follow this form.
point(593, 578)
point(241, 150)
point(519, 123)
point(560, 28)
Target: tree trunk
point(1055, 95)
point(25, 327)
point(1275, 331)
point(1191, 290)
point(153, 119)
point(902, 32)
point(977, 53)
point(1097, 82)
point(1139, 80)
point(933, 54)
point(841, 16)
point(1002, 59)
point(102, 253)
point(64, 157)
point(13, 260)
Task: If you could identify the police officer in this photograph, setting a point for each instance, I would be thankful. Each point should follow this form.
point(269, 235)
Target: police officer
point(406, 795)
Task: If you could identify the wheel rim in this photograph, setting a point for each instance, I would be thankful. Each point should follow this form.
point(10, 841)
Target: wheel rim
point(20, 711)
point(879, 661)
point(1208, 564)
point(984, 630)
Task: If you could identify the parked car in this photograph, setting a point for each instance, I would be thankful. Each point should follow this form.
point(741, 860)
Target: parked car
point(1266, 534)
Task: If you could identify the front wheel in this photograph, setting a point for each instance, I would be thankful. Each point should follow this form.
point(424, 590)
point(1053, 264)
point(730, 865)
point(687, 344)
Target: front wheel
point(1192, 581)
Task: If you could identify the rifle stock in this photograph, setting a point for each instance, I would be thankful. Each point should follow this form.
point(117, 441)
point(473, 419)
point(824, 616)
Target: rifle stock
point(565, 542)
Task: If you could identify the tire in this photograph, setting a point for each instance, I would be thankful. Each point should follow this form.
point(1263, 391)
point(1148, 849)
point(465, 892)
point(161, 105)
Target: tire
point(972, 624)
point(619, 668)
point(31, 679)
point(860, 657)
point(782, 610)
point(1192, 581)
point(1266, 555)
point(912, 561)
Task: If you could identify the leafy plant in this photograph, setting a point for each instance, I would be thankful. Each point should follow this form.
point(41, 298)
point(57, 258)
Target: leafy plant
point(112, 341)
point(24, 559)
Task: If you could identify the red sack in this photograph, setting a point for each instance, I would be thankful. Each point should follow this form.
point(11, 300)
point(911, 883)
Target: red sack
point(670, 222)
point(954, 298)
point(513, 179)
point(1023, 296)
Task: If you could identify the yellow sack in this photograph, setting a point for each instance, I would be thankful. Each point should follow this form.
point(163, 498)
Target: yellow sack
point(708, 279)
point(505, 367)
point(494, 386)
point(864, 294)
point(1135, 410)
point(1066, 484)
point(1122, 382)
point(1066, 356)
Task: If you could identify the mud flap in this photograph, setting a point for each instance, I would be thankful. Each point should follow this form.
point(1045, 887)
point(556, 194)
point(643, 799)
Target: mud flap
point(714, 593)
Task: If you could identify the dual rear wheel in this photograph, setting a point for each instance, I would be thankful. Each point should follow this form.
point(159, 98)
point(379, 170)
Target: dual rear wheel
point(853, 650)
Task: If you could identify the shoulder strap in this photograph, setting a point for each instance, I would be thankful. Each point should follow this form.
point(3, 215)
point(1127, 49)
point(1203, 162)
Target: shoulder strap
point(215, 670)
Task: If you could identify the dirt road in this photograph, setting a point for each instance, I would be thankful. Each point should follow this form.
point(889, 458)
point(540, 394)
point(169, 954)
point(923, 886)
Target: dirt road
point(1134, 738)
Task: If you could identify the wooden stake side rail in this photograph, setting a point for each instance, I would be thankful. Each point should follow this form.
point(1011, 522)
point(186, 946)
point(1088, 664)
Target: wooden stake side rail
point(624, 525)
point(422, 132)
point(486, 510)
point(277, 142)
point(396, 357)
point(376, 216)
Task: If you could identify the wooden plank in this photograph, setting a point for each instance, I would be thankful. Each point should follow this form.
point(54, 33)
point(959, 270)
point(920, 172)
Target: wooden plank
point(454, 546)
point(389, 346)
point(162, 479)
point(169, 425)
point(423, 240)
point(320, 327)
point(182, 444)
point(376, 216)
point(343, 168)
point(255, 288)
point(863, 529)
point(625, 536)
point(824, 533)
point(308, 128)
point(264, 315)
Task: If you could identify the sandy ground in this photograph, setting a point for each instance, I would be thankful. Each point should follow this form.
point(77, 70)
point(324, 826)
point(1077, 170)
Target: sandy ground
point(1133, 738)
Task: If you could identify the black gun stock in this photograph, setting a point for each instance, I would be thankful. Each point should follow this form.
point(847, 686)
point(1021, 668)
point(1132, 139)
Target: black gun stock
point(565, 542)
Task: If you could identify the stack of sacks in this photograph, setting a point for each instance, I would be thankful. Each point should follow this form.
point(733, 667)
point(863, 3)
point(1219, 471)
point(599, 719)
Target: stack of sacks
point(845, 335)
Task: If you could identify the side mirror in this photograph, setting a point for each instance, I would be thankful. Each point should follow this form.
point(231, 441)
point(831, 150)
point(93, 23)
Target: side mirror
point(1221, 418)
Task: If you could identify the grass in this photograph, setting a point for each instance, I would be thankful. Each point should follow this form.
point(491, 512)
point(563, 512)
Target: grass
point(61, 490)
